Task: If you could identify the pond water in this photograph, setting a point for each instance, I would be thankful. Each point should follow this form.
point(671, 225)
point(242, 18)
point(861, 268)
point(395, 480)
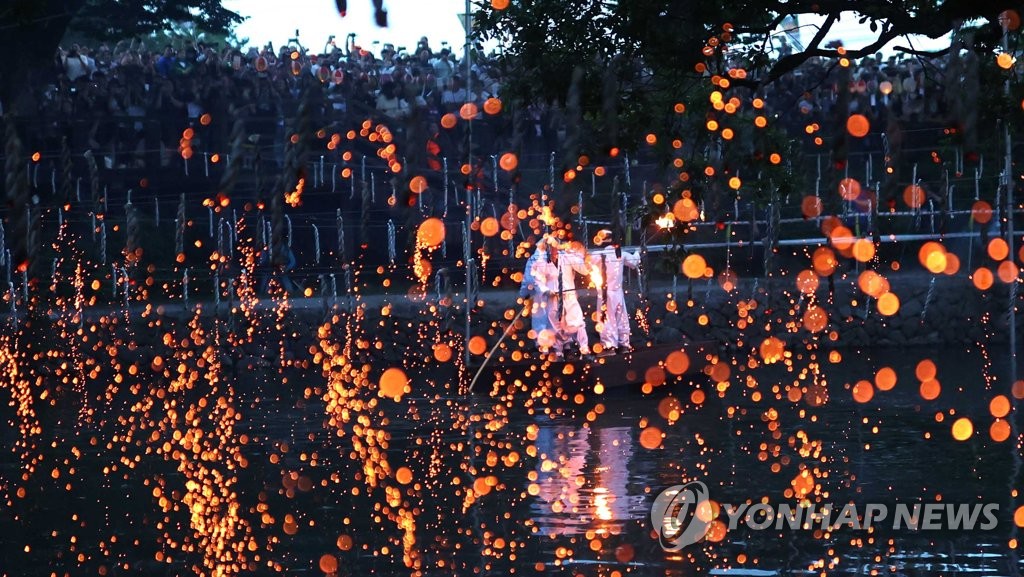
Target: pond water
point(297, 481)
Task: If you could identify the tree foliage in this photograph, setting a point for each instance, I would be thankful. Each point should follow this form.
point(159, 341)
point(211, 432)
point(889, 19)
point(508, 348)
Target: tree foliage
point(646, 74)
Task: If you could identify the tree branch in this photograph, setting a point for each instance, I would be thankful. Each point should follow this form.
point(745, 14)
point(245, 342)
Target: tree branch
point(924, 53)
point(789, 63)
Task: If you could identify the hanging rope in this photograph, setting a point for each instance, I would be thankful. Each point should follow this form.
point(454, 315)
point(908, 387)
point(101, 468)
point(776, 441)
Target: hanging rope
point(444, 211)
point(391, 242)
point(103, 242)
point(179, 225)
point(341, 237)
point(66, 168)
point(316, 244)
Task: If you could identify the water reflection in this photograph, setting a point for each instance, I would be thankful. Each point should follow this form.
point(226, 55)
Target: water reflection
point(328, 479)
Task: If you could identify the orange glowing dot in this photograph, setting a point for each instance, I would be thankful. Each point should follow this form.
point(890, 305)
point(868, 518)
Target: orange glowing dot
point(492, 106)
point(885, 379)
point(772, 349)
point(981, 212)
point(651, 138)
point(442, 352)
point(448, 121)
point(842, 238)
point(509, 161)
point(677, 362)
point(489, 227)
point(858, 125)
point(863, 391)
point(849, 189)
point(468, 111)
point(712, 125)
point(344, 542)
point(694, 266)
point(952, 264)
point(403, 475)
point(930, 390)
point(697, 397)
point(811, 206)
point(925, 370)
point(913, 195)
point(393, 383)
point(888, 304)
point(1010, 19)
point(983, 278)
point(430, 233)
point(477, 345)
point(328, 563)
point(999, 406)
point(735, 183)
point(650, 438)
point(999, 430)
point(824, 261)
point(760, 121)
point(872, 283)
point(998, 249)
point(418, 184)
point(815, 319)
point(936, 261)
point(679, 108)
point(863, 250)
point(1005, 60)
point(1007, 271)
point(963, 429)
point(807, 282)
point(803, 483)
point(205, 119)
point(717, 531)
point(685, 210)
point(36, 156)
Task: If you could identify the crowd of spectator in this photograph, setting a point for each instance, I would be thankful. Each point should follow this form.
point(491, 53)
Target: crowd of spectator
point(130, 102)
point(905, 89)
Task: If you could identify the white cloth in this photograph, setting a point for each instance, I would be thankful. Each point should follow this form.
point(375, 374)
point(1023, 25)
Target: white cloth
point(392, 107)
point(539, 321)
point(566, 317)
point(545, 301)
point(613, 325)
point(76, 67)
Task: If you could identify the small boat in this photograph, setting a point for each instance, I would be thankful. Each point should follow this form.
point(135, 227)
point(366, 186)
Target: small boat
point(519, 370)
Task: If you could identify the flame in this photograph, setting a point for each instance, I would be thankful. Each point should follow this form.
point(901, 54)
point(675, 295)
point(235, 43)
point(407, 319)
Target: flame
point(294, 198)
point(667, 221)
point(546, 217)
point(596, 281)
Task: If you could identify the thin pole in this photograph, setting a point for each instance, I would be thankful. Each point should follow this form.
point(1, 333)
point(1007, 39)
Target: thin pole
point(1009, 224)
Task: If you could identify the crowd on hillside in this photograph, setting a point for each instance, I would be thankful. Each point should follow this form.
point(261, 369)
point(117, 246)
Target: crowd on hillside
point(131, 102)
point(907, 89)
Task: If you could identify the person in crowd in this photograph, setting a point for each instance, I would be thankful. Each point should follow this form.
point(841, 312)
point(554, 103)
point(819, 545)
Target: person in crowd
point(444, 68)
point(556, 278)
point(533, 296)
point(613, 318)
point(390, 101)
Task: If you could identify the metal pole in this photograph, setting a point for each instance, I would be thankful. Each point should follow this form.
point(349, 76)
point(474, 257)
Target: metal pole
point(1009, 224)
